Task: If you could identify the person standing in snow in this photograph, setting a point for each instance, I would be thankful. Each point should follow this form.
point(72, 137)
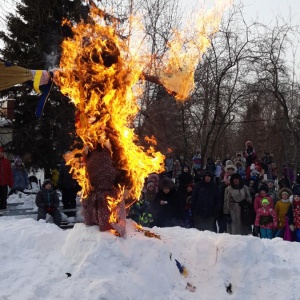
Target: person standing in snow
point(236, 194)
point(47, 202)
point(206, 203)
point(21, 180)
point(6, 178)
point(293, 216)
point(266, 220)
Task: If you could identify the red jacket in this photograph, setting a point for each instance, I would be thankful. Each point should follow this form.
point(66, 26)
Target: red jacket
point(265, 212)
point(6, 175)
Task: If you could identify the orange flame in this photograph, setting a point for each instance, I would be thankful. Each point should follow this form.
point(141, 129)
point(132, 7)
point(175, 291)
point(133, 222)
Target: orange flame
point(98, 75)
point(186, 50)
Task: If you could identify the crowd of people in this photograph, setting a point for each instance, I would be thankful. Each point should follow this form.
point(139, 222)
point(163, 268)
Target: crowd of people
point(240, 194)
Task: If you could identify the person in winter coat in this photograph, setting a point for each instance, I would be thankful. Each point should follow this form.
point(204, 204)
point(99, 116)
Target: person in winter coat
point(184, 179)
point(273, 191)
point(47, 202)
point(21, 180)
point(69, 188)
point(262, 194)
point(206, 203)
point(281, 208)
point(167, 204)
point(293, 215)
point(266, 220)
point(236, 194)
point(249, 154)
point(6, 178)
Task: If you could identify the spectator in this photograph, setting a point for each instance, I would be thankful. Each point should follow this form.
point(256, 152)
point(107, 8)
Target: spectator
point(6, 178)
point(266, 220)
point(155, 179)
point(210, 166)
point(239, 157)
point(229, 171)
point(284, 182)
point(184, 179)
point(197, 161)
point(169, 164)
point(281, 208)
point(177, 169)
point(167, 204)
point(69, 189)
point(262, 194)
point(218, 172)
point(21, 180)
point(249, 154)
point(206, 203)
point(293, 215)
point(47, 201)
point(228, 157)
point(235, 193)
point(272, 191)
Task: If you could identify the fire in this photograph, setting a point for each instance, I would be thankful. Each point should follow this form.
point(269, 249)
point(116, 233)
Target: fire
point(99, 74)
point(187, 48)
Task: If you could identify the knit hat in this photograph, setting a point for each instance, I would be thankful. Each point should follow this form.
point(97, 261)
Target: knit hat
point(297, 193)
point(47, 181)
point(248, 143)
point(265, 201)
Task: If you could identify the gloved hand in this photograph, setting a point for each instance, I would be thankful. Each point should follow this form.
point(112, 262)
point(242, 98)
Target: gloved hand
point(256, 230)
point(228, 219)
point(292, 227)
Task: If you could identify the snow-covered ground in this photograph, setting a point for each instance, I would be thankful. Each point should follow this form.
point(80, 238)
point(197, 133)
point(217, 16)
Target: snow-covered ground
point(41, 261)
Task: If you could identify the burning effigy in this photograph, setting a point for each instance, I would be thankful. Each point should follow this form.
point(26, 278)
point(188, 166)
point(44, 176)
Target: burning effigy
point(99, 73)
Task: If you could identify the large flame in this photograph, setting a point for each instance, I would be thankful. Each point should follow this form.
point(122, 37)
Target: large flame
point(186, 50)
point(99, 73)
point(98, 76)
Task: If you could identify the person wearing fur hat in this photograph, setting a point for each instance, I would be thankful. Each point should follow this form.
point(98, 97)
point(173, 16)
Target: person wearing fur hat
point(281, 208)
point(293, 216)
point(21, 180)
point(262, 194)
point(229, 170)
point(266, 220)
point(206, 203)
point(47, 202)
point(167, 204)
point(236, 199)
point(6, 178)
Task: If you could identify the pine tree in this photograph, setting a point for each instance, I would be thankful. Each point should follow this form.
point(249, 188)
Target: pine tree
point(33, 41)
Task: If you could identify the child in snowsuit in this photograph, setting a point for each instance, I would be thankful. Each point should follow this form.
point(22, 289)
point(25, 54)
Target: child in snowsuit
point(294, 216)
point(266, 220)
point(47, 201)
